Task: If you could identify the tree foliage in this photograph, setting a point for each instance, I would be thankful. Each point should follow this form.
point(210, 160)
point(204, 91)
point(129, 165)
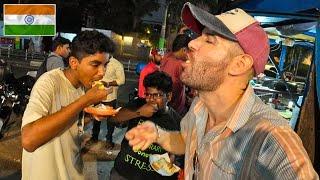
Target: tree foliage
point(175, 6)
point(120, 16)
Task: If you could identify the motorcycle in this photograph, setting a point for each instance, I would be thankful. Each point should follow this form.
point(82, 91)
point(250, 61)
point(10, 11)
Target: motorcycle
point(14, 94)
point(21, 87)
point(6, 107)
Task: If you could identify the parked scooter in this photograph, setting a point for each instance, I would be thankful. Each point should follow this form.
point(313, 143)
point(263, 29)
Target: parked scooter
point(14, 94)
point(8, 101)
point(21, 87)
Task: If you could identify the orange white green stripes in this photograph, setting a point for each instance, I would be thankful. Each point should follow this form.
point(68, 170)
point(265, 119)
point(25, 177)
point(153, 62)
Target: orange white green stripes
point(29, 19)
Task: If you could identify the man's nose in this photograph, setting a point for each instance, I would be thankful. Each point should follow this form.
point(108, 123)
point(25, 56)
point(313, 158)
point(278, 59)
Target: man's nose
point(152, 100)
point(194, 44)
point(101, 71)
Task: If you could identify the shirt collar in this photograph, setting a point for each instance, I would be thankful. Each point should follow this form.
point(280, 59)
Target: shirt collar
point(166, 58)
point(240, 115)
point(242, 112)
point(152, 65)
point(55, 54)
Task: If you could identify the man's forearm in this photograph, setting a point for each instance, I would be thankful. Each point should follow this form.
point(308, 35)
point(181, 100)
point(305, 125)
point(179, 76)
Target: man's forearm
point(41, 131)
point(125, 115)
point(171, 141)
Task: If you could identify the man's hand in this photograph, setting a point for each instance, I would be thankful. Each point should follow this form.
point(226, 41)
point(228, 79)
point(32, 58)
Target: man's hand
point(147, 110)
point(96, 94)
point(142, 136)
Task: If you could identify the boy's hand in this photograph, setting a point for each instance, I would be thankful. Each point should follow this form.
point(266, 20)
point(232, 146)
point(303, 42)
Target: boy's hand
point(97, 94)
point(147, 110)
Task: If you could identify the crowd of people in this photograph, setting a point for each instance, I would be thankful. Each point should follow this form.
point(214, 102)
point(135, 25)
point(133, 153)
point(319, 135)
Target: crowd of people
point(218, 129)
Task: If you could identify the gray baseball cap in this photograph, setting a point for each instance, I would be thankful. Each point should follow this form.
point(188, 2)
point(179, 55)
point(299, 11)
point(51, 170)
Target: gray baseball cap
point(234, 25)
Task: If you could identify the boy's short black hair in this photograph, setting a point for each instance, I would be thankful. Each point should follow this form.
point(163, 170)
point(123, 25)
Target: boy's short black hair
point(160, 80)
point(59, 41)
point(181, 41)
point(90, 42)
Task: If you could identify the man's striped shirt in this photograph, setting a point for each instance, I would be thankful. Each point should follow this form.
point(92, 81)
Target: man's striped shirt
point(221, 152)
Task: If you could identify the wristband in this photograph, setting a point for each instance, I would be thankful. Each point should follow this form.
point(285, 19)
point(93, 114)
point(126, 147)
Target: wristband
point(158, 129)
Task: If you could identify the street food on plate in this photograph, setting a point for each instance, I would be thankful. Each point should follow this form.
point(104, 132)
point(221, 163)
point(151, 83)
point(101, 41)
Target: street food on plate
point(101, 84)
point(101, 110)
point(163, 164)
point(157, 165)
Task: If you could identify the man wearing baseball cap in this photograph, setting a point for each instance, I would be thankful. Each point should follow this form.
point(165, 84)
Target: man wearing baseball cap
point(228, 133)
point(152, 66)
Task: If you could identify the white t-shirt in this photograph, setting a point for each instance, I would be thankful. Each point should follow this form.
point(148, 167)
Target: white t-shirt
point(59, 158)
point(114, 72)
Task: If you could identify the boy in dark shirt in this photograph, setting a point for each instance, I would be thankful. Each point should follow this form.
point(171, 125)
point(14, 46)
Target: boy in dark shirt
point(134, 164)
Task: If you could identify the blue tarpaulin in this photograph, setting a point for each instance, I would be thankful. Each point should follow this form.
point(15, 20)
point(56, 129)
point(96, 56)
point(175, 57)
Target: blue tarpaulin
point(292, 7)
point(281, 6)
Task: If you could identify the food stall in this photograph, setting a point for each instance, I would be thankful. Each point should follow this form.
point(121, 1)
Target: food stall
point(291, 82)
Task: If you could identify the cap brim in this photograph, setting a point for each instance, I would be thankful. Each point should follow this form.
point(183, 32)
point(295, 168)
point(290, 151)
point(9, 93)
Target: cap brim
point(197, 19)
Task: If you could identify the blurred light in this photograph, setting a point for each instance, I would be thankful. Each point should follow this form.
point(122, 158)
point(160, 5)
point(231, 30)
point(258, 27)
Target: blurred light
point(127, 40)
point(265, 19)
point(69, 36)
point(290, 104)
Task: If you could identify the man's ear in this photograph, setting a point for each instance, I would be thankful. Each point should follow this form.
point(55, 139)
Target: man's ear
point(59, 48)
point(169, 96)
point(185, 49)
point(73, 62)
point(240, 64)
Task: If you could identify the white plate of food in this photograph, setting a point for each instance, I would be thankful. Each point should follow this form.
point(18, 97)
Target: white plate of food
point(162, 165)
point(102, 110)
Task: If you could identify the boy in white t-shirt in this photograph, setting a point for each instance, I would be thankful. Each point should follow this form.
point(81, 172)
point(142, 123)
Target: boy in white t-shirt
point(53, 120)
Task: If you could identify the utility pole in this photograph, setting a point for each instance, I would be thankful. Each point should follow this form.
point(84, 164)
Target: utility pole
point(163, 28)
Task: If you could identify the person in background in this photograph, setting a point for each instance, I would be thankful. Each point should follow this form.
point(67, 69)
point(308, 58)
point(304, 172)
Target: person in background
point(152, 66)
point(228, 132)
point(182, 29)
point(171, 63)
point(115, 77)
point(31, 46)
point(46, 44)
point(52, 123)
point(60, 51)
point(134, 164)
point(57, 58)
point(190, 92)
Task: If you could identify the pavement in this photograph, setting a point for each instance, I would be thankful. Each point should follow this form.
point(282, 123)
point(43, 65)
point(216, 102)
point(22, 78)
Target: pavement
point(97, 161)
point(10, 151)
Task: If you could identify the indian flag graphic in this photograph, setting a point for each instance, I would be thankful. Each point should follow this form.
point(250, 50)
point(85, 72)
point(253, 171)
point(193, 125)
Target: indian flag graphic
point(29, 19)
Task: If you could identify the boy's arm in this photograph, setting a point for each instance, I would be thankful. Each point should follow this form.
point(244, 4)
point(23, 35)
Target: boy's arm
point(42, 130)
point(126, 114)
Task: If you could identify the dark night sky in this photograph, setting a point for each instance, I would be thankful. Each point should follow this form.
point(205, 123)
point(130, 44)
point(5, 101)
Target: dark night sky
point(68, 17)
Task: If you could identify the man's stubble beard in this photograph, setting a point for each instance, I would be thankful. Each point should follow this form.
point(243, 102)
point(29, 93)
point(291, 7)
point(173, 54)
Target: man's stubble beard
point(205, 76)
